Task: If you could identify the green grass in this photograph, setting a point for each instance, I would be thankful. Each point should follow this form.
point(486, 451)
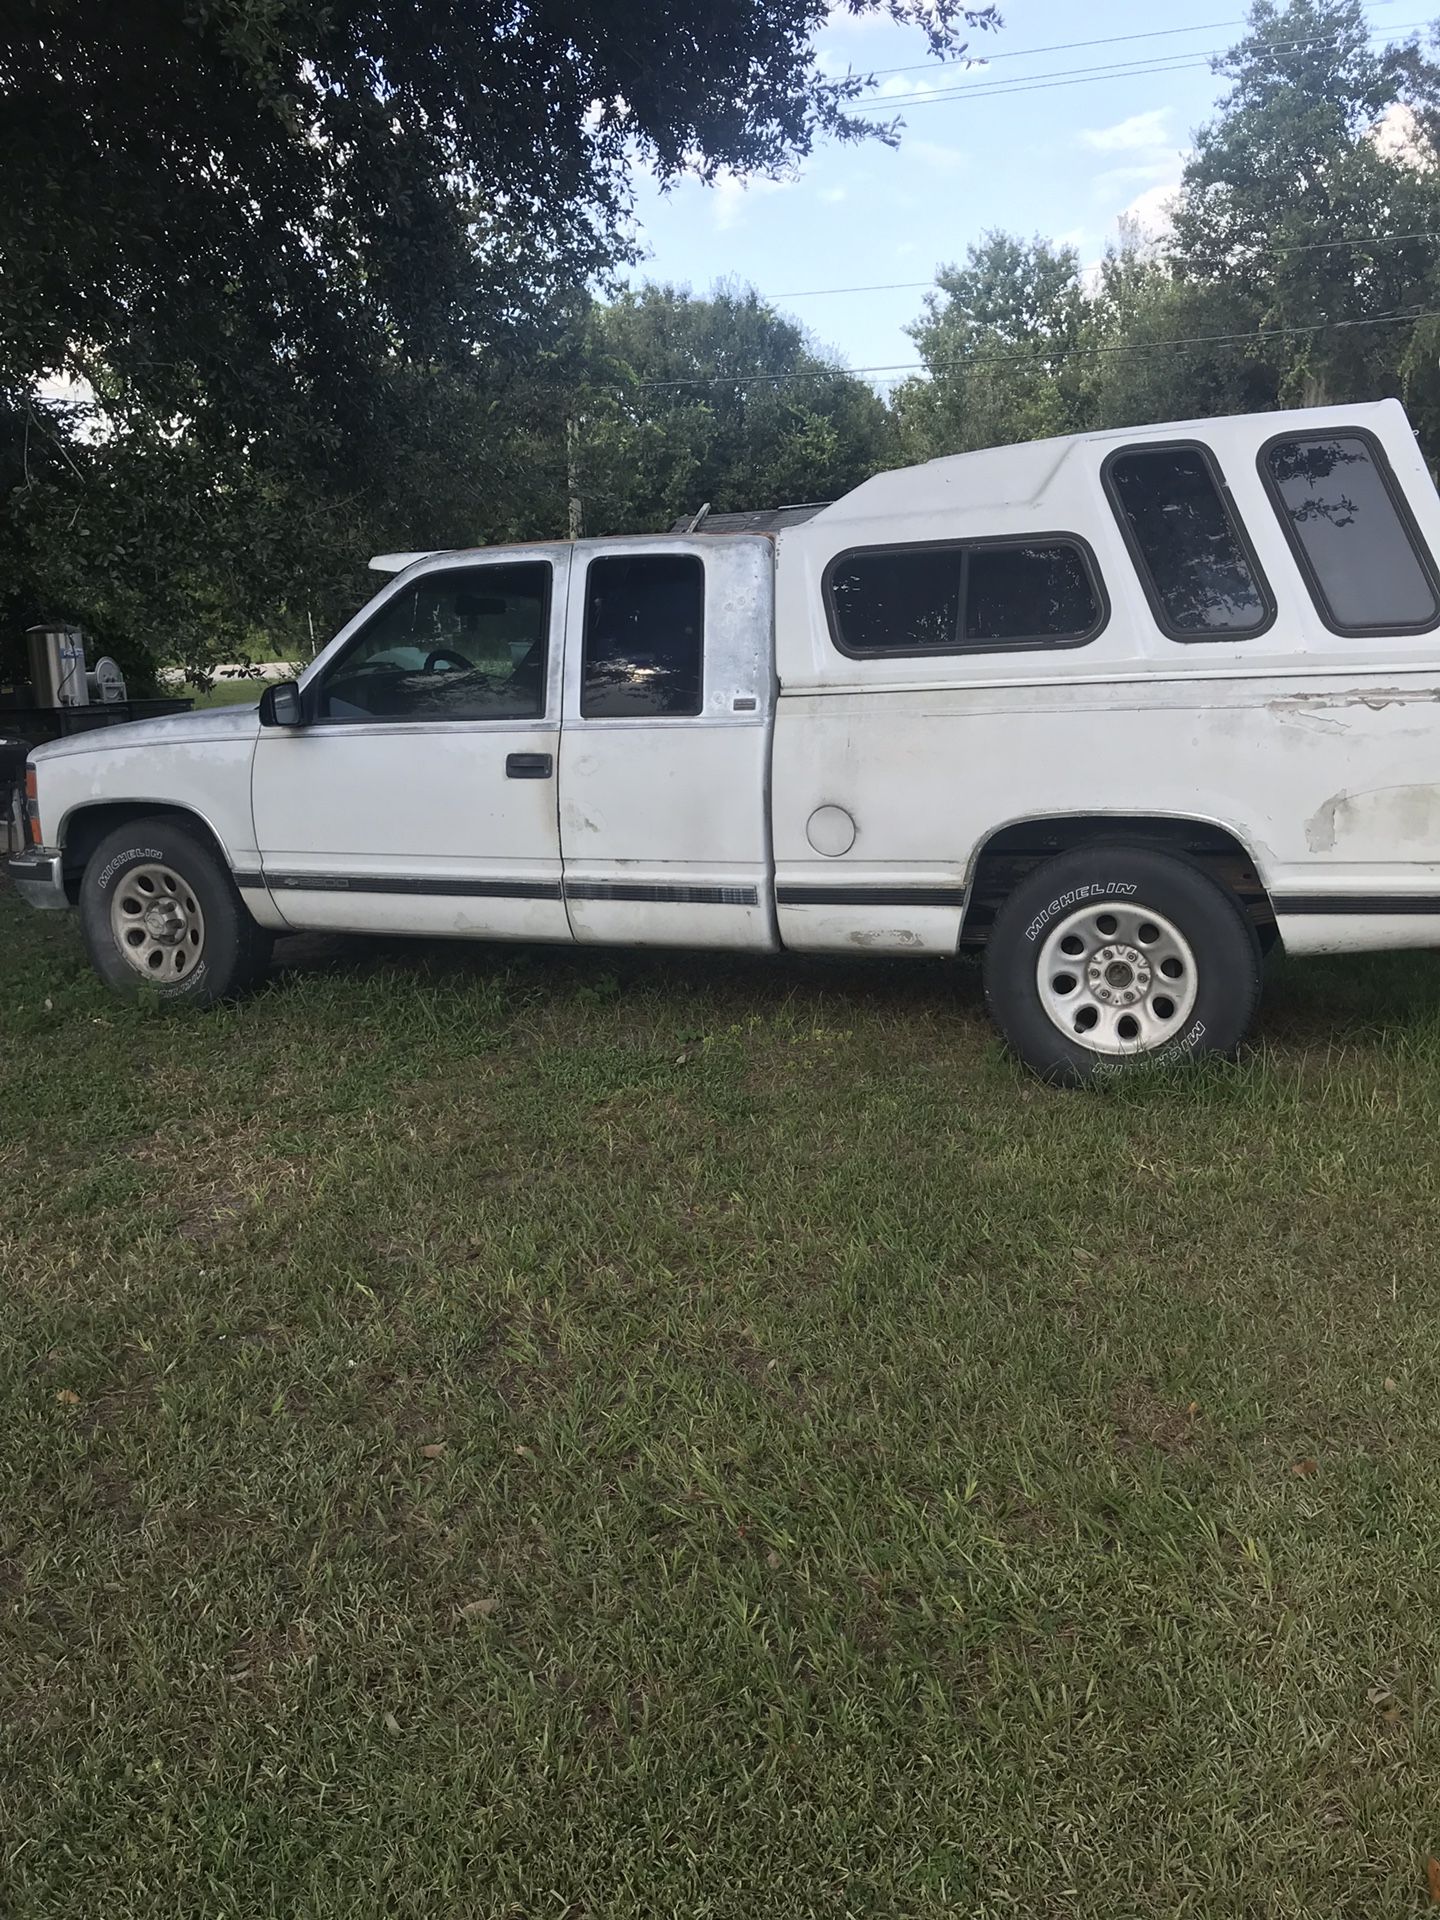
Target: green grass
point(225, 693)
point(493, 1433)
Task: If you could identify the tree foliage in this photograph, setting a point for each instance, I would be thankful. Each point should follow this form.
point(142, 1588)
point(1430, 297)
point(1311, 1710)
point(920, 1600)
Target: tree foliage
point(322, 268)
point(721, 402)
point(340, 280)
point(204, 204)
point(1301, 268)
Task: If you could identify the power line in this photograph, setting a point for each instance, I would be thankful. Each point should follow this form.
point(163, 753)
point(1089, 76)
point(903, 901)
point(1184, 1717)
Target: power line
point(1087, 76)
point(1064, 46)
point(894, 369)
point(1075, 46)
point(1030, 83)
point(1359, 241)
point(880, 286)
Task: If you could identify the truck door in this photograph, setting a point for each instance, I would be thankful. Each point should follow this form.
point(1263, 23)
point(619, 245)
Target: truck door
point(419, 797)
point(665, 743)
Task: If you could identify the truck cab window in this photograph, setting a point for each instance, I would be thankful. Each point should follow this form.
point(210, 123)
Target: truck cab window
point(1338, 505)
point(1198, 574)
point(644, 636)
point(465, 643)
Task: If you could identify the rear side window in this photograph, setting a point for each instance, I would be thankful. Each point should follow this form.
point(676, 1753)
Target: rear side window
point(975, 598)
point(644, 637)
point(1201, 579)
point(1347, 522)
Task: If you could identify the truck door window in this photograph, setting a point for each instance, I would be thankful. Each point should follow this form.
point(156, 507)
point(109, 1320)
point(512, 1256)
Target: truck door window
point(644, 637)
point(1201, 579)
point(1351, 533)
point(979, 596)
point(464, 643)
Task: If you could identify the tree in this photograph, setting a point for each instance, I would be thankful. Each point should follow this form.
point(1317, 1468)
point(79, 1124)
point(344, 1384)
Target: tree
point(720, 401)
point(1302, 267)
point(1001, 342)
point(324, 267)
point(1293, 201)
point(204, 204)
point(1171, 348)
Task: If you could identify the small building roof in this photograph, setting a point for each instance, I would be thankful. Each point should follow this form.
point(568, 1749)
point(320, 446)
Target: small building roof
point(756, 520)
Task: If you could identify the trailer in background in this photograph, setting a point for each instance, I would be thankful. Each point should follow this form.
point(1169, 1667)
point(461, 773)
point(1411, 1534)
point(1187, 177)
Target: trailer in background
point(62, 696)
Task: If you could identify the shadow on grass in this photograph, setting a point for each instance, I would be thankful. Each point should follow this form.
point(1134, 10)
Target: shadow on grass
point(1305, 1003)
point(767, 981)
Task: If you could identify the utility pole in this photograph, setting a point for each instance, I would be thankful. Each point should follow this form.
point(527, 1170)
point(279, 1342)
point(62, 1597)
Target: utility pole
point(572, 478)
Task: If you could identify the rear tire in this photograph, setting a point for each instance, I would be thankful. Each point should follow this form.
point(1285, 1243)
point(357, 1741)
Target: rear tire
point(162, 917)
point(1107, 957)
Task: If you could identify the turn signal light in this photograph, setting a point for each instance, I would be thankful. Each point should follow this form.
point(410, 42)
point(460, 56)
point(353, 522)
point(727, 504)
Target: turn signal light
point(32, 807)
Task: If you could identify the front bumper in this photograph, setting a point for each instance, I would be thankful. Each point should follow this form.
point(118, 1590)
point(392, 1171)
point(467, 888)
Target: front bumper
point(38, 878)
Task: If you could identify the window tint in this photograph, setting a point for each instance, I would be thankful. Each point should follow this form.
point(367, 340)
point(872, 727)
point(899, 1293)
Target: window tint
point(1025, 593)
point(1202, 583)
point(644, 625)
point(1344, 521)
point(963, 598)
point(467, 643)
point(898, 602)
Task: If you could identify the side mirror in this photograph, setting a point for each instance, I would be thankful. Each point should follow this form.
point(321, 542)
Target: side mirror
point(281, 705)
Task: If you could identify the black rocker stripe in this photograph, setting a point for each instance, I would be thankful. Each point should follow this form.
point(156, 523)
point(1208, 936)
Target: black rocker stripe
point(418, 883)
point(1356, 902)
point(681, 896)
point(497, 889)
point(799, 896)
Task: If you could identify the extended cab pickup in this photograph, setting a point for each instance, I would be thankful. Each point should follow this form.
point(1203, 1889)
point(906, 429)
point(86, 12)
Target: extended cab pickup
point(1126, 709)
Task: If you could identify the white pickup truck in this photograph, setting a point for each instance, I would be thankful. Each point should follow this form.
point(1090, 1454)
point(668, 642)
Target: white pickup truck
point(1126, 710)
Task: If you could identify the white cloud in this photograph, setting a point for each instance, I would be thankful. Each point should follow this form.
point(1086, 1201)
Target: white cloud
point(1152, 212)
point(897, 88)
point(940, 158)
point(1127, 136)
point(730, 190)
point(1397, 136)
point(832, 196)
point(1150, 173)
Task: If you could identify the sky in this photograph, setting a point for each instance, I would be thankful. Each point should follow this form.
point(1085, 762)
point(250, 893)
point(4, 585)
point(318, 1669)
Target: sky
point(1022, 153)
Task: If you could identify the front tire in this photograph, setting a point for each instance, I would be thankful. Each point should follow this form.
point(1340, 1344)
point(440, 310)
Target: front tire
point(161, 917)
point(1108, 956)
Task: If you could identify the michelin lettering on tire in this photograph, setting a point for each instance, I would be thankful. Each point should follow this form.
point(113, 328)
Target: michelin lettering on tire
point(1178, 1051)
point(111, 867)
point(1063, 902)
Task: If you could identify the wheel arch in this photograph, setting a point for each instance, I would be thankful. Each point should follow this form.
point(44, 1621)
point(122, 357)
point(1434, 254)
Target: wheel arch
point(86, 825)
point(1011, 851)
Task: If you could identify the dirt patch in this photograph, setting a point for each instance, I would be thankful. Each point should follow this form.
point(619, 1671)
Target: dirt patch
point(210, 1179)
point(1144, 1418)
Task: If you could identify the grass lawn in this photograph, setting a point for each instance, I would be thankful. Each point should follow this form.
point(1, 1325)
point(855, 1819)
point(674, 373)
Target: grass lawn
point(225, 693)
point(494, 1433)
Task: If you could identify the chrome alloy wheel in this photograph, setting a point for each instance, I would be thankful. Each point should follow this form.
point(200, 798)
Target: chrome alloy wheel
point(157, 923)
point(1117, 979)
